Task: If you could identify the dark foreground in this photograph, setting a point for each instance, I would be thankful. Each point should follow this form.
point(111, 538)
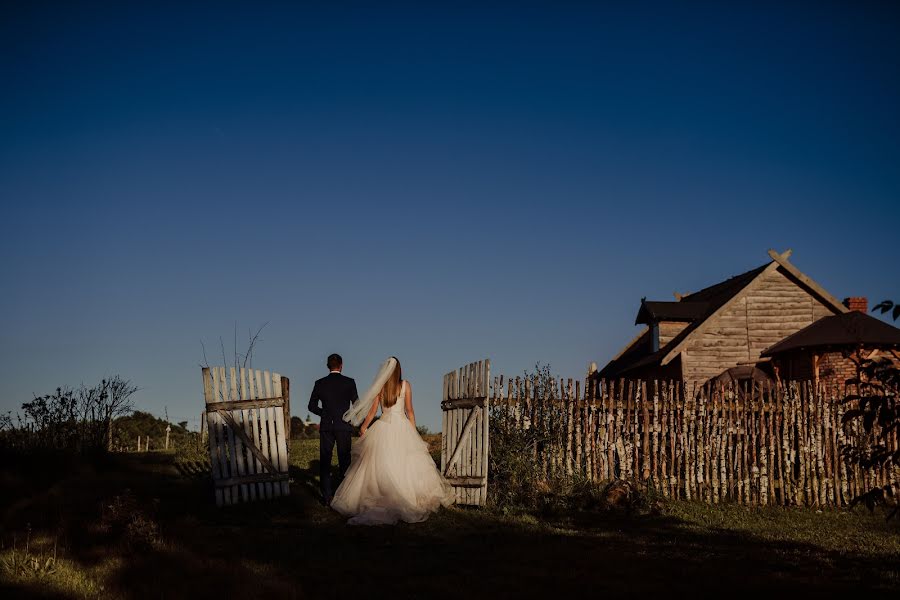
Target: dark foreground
point(137, 526)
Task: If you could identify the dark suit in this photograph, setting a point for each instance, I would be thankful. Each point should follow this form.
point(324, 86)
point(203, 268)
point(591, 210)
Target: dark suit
point(336, 393)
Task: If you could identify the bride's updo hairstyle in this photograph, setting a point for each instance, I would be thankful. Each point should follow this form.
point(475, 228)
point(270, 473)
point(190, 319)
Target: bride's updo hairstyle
point(391, 388)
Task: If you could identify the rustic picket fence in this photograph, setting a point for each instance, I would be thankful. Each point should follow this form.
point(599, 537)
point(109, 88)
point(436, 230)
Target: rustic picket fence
point(751, 444)
point(247, 416)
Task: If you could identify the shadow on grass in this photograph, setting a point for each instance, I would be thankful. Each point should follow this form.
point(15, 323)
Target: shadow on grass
point(294, 548)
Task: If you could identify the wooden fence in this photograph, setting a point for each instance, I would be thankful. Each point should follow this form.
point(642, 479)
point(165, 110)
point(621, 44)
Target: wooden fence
point(248, 415)
point(754, 444)
point(464, 440)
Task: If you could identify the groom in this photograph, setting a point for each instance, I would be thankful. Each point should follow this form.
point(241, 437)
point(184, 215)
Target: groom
point(336, 393)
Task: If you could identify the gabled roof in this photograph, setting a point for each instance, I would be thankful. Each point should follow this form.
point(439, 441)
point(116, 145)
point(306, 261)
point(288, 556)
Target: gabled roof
point(638, 349)
point(712, 299)
point(850, 329)
point(701, 304)
point(722, 292)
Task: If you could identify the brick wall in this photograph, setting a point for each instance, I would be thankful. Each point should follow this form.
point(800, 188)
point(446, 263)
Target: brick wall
point(834, 367)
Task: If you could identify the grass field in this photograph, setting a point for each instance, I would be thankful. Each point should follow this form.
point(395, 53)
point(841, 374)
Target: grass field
point(135, 526)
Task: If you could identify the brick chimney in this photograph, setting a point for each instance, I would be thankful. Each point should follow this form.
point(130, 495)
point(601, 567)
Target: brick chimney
point(859, 303)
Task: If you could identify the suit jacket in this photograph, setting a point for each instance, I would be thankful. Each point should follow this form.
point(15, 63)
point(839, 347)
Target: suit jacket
point(336, 393)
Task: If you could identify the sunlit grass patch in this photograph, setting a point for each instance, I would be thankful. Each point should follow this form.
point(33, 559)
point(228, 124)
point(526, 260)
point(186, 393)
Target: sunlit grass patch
point(838, 530)
point(40, 566)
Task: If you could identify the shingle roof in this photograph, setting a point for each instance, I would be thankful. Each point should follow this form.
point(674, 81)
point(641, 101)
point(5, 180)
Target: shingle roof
point(701, 303)
point(848, 329)
point(724, 291)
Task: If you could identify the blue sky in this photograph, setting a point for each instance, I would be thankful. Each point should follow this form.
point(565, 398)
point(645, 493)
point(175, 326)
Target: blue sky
point(443, 183)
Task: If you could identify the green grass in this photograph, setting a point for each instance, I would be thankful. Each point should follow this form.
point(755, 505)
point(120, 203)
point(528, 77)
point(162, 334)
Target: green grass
point(165, 538)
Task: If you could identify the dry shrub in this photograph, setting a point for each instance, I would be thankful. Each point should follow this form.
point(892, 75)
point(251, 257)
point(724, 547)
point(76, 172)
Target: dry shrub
point(129, 521)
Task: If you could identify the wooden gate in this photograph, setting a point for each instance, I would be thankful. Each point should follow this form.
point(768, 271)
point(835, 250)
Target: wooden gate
point(464, 439)
point(248, 420)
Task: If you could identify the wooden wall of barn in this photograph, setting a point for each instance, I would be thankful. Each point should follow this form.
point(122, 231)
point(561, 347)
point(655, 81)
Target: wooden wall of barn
point(771, 308)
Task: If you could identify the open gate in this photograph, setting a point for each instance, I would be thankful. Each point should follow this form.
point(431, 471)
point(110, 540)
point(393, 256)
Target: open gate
point(464, 439)
point(248, 417)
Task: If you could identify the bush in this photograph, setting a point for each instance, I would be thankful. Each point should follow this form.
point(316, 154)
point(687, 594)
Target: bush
point(873, 397)
point(79, 420)
point(301, 431)
point(127, 429)
point(519, 482)
point(129, 521)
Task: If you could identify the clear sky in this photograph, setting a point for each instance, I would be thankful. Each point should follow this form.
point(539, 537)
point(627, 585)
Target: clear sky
point(441, 183)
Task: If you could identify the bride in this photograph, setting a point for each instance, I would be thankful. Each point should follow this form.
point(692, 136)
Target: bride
point(391, 476)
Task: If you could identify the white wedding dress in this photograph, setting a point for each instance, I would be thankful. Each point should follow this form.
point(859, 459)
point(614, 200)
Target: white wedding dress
point(392, 477)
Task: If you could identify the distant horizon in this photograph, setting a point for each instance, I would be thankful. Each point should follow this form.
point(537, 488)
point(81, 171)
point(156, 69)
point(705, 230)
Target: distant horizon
point(443, 184)
point(299, 404)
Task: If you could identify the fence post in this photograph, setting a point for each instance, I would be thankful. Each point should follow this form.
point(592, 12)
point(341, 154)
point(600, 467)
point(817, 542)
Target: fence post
point(203, 427)
point(286, 394)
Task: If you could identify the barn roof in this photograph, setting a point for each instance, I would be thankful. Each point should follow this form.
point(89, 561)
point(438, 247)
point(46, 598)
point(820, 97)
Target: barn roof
point(698, 306)
point(849, 329)
point(697, 309)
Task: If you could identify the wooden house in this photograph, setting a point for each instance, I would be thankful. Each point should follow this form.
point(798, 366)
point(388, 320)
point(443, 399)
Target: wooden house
point(721, 330)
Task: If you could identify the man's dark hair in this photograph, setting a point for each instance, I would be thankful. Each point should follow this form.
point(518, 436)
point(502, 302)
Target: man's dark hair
point(334, 361)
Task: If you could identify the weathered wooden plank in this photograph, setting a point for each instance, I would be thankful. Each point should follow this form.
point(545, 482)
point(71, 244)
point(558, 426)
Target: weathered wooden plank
point(252, 479)
point(239, 451)
point(467, 482)
point(286, 410)
point(247, 416)
point(486, 440)
point(271, 417)
point(211, 425)
point(444, 430)
point(226, 437)
point(451, 439)
point(280, 433)
point(802, 278)
point(466, 428)
point(254, 391)
point(237, 430)
point(262, 421)
point(463, 403)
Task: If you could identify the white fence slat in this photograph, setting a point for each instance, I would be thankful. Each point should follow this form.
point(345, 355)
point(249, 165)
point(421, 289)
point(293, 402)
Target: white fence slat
point(443, 439)
point(253, 424)
point(248, 418)
point(280, 440)
point(263, 428)
point(264, 425)
point(209, 396)
point(221, 436)
point(272, 452)
point(240, 451)
point(259, 424)
point(232, 446)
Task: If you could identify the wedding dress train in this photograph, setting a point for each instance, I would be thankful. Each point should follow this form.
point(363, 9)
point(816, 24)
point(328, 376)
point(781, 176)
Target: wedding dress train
point(392, 477)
